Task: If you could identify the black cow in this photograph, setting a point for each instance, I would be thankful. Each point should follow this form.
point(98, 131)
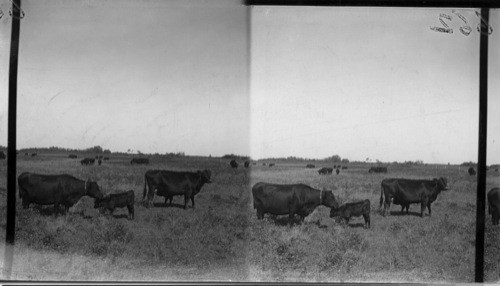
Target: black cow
point(247, 164)
point(325, 170)
point(289, 199)
point(106, 158)
point(310, 166)
point(494, 205)
point(2, 155)
point(55, 189)
point(87, 161)
point(335, 166)
point(233, 164)
point(408, 191)
point(99, 162)
point(33, 154)
point(72, 156)
point(144, 161)
point(171, 183)
point(337, 171)
point(344, 167)
point(26, 154)
point(471, 171)
point(120, 200)
point(271, 164)
point(346, 211)
point(377, 170)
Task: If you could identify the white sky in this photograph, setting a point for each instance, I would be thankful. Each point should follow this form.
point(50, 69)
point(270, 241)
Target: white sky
point(367, 82)
point(174, 76)
point(154, 76)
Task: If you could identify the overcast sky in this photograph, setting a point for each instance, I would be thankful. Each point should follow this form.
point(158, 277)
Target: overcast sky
point(153, 76)
point(174, 76)
point(368, 83)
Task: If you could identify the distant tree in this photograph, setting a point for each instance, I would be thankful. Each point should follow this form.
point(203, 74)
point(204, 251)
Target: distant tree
point(106, 151)
point(345, 160)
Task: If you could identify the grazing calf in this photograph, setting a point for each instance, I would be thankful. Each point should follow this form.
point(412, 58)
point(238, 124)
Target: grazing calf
point(121, 200)
point(349, 210)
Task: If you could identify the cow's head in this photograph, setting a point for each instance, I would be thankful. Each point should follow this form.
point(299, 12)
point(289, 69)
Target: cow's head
point(442, 184)
point(92, 190)
point(328, 199)
point(205, 176)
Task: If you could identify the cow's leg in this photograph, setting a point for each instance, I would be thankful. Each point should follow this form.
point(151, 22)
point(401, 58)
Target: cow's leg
point(192, 200)
point(407, 208)
point(423, 204)
point(402, 208)
point(429, 207)
point(387, 206)
point(170, 199)
point(130, 211)
point(166, 198)
point(260, 213)
point(367, 220)
point(186, 199)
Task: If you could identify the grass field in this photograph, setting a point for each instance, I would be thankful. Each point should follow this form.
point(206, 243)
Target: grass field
point(222, 240)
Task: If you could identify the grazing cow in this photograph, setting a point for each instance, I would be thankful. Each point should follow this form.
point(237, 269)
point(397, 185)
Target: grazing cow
point(106, 158)
point(144, 161)
point(337, 171)
point(72, 156)
point(344, 167)
point(407, 191)
point(346, 211)
point(377, 170)
point(289, 199)
point(335, 166)
point(26, 154)
point(471, 171)
point(2, 155)
point(121, 200)
point(99, 162)
point(55, 189)
point(271, 164)
point(171, 183)
point(247, 164)
point(310, 166)
point(325, 170)
point(87, 161)
point(33, 154)
point(494, 205)
point(233, 164)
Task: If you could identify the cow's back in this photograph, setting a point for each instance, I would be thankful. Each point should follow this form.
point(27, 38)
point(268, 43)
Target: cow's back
point(277, 199)
point(47, 189)
point(494, 199)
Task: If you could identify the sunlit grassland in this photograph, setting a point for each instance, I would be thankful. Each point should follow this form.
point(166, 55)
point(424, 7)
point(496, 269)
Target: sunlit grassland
point(161, 243)
point(399, 247)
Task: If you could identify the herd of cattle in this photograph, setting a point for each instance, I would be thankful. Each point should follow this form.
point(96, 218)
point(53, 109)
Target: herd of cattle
point(274, 199)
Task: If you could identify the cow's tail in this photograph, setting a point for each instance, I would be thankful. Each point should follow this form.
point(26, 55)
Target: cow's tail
point(144, 193)
point(381, 196)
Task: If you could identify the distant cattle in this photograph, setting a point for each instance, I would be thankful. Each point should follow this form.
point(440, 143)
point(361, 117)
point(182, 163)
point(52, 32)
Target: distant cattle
point(2, 155)
point(54, 190)
point(289, 200)
point(120, 200)
point(100, 157)
point(337, 171)
point(105, 158)
point(87, 161)
point(494, 205)
point(99, 162)
point(247, 164)
point(233, 164)
point(377, 170)
point(263, 164)
point(72, 156)
point(139, 161)
point(346, 211)
point(335, 166)
point(325, 170)
point(344, 167)
point(26, 154)
point(310, 166)
point(339, 167)
point(33, 154)
point(172, 183)
point(471, 171)
point(271, 164)
point(407, 191)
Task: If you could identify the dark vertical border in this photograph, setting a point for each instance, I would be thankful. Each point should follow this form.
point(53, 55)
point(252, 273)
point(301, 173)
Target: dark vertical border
point(11, 141)
point(481, 161)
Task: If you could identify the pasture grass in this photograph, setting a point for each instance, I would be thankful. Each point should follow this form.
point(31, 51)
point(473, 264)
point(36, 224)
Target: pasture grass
point(222, 240)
